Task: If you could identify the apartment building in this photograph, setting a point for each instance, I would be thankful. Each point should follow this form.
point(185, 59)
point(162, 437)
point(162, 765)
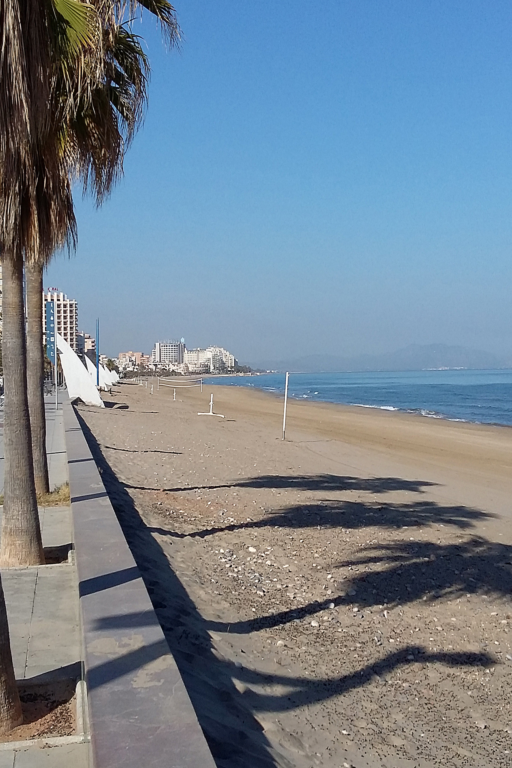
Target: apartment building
point(66, 316)
point(130, 361)
point(209, 360)
point(168, 353)
point(85, 343)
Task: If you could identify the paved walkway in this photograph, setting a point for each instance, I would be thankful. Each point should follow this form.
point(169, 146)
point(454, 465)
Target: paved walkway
point(42, 608)
point(55, 442)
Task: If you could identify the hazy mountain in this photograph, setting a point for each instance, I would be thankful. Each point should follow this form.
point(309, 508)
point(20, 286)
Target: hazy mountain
point(415, 357)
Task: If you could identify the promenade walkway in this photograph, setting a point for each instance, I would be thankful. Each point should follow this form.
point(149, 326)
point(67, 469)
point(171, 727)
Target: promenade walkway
point(89, 618)
point(43, 613)
point(55, 442)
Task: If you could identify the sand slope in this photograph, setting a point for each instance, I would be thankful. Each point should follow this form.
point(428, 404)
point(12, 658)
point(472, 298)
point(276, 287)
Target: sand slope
point(342, 598)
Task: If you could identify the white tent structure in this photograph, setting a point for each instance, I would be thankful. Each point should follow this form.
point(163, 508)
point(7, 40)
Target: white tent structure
point(78, 381)
point(107, 375)
point(92, 370)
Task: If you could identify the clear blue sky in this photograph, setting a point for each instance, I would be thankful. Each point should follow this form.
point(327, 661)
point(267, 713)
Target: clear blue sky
point(331, 176)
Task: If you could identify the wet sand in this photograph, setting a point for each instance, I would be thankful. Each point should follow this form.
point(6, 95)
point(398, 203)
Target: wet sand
point(340, 598)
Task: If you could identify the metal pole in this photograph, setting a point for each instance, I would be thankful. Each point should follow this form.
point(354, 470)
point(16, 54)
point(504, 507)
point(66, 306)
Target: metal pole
point(98, 352)
point(285, 402)
point(201, 385)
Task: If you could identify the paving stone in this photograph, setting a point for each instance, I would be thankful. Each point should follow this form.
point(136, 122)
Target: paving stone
point(6, 759)
point(65, 756)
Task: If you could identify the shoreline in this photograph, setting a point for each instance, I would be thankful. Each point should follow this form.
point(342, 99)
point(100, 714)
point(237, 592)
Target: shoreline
point(419, 410)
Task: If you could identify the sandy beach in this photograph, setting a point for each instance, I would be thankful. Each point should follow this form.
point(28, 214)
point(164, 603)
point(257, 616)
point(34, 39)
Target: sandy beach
point(342, 598)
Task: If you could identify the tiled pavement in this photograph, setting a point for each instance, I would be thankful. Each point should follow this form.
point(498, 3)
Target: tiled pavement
point(42, 608)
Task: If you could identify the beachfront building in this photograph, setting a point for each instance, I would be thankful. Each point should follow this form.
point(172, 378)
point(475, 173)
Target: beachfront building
point(196, 361)
point(168, 353)
point(209, 360)
point(132, 361)
point(66, 316)
point(85, 343)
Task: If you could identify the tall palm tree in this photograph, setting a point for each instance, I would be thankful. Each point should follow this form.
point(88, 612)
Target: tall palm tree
point(35, 374)
point(36, 215)
point(37, 42)
point(44, 76)
point(94, 140)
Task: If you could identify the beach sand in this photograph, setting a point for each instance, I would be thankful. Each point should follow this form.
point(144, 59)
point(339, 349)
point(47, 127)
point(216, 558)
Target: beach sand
point(342, 598)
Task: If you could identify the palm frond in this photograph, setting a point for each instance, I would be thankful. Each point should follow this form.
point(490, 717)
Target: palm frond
point(166, 15)
point(80, 22)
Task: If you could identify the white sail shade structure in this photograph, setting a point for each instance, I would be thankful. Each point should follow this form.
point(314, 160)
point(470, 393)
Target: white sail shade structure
point(104, 378)
point(78, 382)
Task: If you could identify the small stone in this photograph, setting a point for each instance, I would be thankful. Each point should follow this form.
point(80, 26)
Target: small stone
point(351, 592)
point(331, 605)
point(280, 642)
point(314, 623)
point(251, 549)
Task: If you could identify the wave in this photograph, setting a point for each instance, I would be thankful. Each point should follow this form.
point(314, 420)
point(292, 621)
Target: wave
point(378, 407)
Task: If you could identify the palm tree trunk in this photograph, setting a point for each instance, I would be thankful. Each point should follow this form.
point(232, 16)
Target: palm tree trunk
point(35, 375)
point(10, 707)
point(21, 534)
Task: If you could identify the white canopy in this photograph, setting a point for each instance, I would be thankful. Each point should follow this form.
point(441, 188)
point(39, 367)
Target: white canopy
point(78, 381)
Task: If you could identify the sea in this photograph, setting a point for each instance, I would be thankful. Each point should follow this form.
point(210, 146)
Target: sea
point(482, 397)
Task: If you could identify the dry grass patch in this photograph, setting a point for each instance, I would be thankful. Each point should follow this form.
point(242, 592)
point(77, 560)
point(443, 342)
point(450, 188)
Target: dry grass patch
point(60, 497)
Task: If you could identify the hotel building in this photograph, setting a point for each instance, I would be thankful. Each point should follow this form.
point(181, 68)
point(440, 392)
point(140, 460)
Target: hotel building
point(66, 316)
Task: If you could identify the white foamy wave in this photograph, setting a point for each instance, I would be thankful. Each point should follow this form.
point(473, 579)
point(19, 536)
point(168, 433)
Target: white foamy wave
point(378, 407)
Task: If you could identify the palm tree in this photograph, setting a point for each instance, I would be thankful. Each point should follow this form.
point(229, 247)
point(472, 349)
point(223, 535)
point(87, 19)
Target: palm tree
point(35, 374)
point(46, 74)
point(36, 217)
point(94, 141)
point(10, 707)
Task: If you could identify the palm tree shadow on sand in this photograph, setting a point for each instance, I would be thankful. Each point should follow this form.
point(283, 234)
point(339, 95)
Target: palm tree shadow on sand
point(228, 717)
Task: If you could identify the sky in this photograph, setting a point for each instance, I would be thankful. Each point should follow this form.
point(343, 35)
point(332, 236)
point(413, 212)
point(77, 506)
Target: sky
point(328, 177)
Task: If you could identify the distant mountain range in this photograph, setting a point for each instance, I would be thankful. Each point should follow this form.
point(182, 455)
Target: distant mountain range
point(415, 357)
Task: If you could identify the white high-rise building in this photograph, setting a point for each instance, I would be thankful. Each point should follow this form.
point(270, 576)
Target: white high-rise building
point(168, 352)
point(66, 316)
point(211, 359)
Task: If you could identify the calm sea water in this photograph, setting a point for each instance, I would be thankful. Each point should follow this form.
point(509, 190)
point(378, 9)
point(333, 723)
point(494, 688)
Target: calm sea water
point(478, 396)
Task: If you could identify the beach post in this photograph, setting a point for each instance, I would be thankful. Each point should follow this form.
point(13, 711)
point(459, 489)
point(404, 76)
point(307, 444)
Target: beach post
point(285, 403)
point(210, 412)
point(174, 398)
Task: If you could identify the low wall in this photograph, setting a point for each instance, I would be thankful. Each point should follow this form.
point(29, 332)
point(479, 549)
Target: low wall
point(139, 710)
